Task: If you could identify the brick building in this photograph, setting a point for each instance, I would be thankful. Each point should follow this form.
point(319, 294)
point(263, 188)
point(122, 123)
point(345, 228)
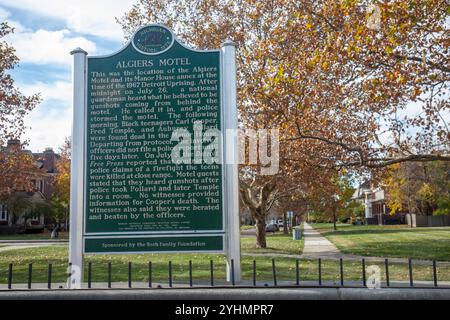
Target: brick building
point(42, 192)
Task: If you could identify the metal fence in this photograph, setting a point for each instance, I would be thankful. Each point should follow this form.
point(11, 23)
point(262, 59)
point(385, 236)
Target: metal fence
point(251, 280)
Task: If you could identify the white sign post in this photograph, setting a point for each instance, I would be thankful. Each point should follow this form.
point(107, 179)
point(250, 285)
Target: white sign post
point(231, 160)
point(77, 169)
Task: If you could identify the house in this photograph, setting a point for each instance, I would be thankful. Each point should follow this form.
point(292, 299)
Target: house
point(374, 200)
point(41, 193)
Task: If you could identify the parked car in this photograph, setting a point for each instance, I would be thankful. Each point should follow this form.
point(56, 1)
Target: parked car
point(280, 223)
point(271, 227)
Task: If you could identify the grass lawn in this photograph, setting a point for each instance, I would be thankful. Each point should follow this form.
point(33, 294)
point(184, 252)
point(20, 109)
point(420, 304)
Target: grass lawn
point(276, 243)
point(57, 255)
point(390, 241)
point(285, 267)
point(33, 236)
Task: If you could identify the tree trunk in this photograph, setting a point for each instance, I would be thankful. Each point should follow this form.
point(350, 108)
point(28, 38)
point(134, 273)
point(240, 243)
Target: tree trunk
point(285, 226)
point(261, 233)
point(258, 208)
point(334, 219)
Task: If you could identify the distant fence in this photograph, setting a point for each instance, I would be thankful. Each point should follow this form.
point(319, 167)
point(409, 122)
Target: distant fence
point(427, 221)
point(302, 273)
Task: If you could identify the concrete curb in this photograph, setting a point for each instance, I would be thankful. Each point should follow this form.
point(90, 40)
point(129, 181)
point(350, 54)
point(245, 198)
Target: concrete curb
point(230, 294)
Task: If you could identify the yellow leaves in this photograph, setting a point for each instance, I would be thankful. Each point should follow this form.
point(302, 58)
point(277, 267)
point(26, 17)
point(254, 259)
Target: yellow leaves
point(325, 65)
point(392, 41)
point(309, 25)
point(312, 62)
point(416, 92)
point(401, 79)
point(427, 192)
point(388, 49)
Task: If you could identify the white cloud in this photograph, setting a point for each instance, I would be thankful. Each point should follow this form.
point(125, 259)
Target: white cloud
point(83, 16)
point(48, 124)
point(48, 127)
point(58, 90)
point(4, 13)
point(47, 47)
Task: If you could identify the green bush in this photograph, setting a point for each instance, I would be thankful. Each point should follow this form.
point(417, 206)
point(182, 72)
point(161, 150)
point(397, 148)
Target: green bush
point(344, 219)
point(443, 207)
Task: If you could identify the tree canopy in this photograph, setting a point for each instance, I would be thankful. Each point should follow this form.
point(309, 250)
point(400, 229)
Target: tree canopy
point(350, 85)
point(16, 166)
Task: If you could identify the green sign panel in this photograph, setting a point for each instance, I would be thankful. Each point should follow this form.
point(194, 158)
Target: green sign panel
point(155, 244)
point(136, 100)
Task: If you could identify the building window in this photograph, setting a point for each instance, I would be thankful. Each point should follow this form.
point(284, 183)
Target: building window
point(39, 185)
point(3, 213)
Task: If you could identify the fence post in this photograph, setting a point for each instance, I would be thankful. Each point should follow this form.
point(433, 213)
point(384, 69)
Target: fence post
point(150, 274)
point(30, 274)
point(49, 284)
point(211, 269)
point(274, 272)
point(89, 274)
point(320, 271)
point(363, 262)
point(109, 274)
point(10, 271)
point(254, 273)
point(170, 274)
point(435, 273)
point(386, 266)
point(129, 274)
point(190, 273)
point(411, 281)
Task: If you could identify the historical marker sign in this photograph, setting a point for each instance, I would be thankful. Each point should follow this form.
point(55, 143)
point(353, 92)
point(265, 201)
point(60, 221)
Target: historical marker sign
point(136, 98)
point(146, 172)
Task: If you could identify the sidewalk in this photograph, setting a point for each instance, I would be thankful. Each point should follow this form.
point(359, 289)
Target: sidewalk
point(20, 241)
point(317, 246)
point(14, 246)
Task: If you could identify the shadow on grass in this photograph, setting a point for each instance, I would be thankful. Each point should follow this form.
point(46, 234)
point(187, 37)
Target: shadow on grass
point(348, 231)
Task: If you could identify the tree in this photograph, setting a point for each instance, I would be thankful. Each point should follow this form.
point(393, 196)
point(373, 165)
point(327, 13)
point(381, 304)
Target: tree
point(15, 165)
point(418, 188)
point(61, 184)
point(17, 204)
point(16, 169)
point(35, 210)
point(331, 82)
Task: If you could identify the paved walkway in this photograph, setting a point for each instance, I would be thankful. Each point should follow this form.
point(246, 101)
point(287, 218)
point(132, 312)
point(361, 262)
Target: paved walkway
point(26, 245)
point(317, 246)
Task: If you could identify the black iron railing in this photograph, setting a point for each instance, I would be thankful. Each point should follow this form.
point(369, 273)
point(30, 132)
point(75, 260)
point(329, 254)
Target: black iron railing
point(251, 280)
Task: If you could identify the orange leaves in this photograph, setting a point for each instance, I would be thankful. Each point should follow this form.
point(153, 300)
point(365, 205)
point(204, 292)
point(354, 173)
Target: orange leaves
point(17, 168)
point(14, 105)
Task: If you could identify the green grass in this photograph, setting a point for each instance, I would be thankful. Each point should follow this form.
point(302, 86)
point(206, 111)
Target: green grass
point(390, 241)
point(285, 267)
point(276, 243)
point(247, 227)
point(33, 236)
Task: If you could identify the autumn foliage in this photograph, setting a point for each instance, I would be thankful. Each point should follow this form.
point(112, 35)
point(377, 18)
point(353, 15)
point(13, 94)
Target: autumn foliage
point(16, 166)
point(351, 85)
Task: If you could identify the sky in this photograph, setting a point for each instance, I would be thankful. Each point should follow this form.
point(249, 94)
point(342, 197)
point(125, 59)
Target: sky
point(45, 33)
